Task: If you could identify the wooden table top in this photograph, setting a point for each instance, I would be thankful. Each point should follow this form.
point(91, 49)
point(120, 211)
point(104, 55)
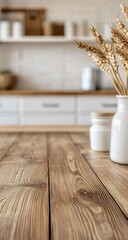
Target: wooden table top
point(52, 186)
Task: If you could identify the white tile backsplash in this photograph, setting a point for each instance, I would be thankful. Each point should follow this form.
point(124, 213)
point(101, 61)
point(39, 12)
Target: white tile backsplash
point(56, 65)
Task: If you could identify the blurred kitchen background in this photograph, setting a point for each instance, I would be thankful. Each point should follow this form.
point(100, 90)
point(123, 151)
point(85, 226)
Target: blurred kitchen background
point(44, 78)
point(48, 59)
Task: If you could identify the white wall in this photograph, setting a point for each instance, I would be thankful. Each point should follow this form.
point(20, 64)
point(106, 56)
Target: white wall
point(55, 66)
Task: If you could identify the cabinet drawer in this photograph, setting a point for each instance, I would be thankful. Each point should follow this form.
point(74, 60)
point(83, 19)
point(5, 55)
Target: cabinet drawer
point(47, 104)
point(97, 103)
point(48, 119)
point(8, 119)
point(84, 119)
point(8, 104)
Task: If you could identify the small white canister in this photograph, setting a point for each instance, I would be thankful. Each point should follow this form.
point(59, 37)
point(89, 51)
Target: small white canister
point(5, 29)
point(88, 81)
point(70, 29)
point(17, 29)
point(100, 131)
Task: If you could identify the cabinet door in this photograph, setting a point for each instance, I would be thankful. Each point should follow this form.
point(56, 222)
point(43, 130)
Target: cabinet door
point(47, 119)
point(47, 104)
point(88, 104)
point(8, 119)
point(84, 119)
point(96, 103)
point(8, 104)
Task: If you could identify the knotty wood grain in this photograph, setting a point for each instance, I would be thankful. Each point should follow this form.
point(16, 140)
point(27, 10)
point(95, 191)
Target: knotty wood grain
point(24, 201)
point(113, 176)
point(81, 208)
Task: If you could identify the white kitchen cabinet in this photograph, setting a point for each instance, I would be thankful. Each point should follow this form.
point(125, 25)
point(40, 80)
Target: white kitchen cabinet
point(8, 110)
point(8, 119)
point(47, 119)
point(83, 119)
point(8, 104)
point(88, 104)
point(47, 104)
point(52, 110)
point(47, 110)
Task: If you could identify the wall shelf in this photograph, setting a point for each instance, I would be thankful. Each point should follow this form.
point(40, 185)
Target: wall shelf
point(45, 39)
point(57, 92)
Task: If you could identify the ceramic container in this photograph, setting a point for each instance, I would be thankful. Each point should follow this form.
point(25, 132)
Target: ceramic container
point(5, 29)
point(70, 29)
point(100, 130)
point(90, 79)
point(17, 29)
point(7, 80)
point(119, 133)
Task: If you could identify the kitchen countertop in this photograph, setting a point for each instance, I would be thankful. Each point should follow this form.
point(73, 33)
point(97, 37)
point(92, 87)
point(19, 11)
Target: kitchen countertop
point(52, 186)
point(43, 128)
point(56, 92)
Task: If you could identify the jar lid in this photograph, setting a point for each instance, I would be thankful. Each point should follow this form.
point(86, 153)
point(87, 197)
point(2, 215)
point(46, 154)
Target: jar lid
point(102, 114)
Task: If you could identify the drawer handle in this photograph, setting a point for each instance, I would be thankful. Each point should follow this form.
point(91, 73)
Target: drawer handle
point(50, 105)
point(109, 105)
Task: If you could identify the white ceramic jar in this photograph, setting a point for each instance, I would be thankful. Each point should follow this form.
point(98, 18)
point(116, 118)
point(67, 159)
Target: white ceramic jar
point(90, 79)
point(5, 29)
point(119, 133)
point(17, 29)
point(68, 29)
point(100, 130)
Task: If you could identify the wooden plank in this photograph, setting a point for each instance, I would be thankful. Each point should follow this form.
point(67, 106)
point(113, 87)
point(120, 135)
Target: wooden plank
point(113, 176)
point(6, 141)
point(24, 200)
point(81, 208)
point(81, 138)
point(28, 149)
point(24, 213)
point(12, 174)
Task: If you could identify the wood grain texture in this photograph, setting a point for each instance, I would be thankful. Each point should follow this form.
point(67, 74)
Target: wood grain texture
point(81, 208)
point(24, 213)
point(6, 141)
point(113, 176)
point(24, 200)
point(88, 193)
point(28, 149)
point(23, 174)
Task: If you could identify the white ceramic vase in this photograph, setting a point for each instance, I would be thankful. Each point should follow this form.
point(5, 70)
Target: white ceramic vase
point(119, 132)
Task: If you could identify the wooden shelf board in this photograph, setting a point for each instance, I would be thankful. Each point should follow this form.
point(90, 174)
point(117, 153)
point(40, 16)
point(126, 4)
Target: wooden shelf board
point(56, 92)
point(46, 39)
point(15, 10)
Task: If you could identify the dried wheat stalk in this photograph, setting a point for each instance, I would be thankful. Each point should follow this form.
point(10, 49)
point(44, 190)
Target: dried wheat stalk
point(104, 55)
point(125, 11)
point(121, 27)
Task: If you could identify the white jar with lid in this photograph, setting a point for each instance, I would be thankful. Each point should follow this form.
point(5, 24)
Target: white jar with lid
point(100, 132)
